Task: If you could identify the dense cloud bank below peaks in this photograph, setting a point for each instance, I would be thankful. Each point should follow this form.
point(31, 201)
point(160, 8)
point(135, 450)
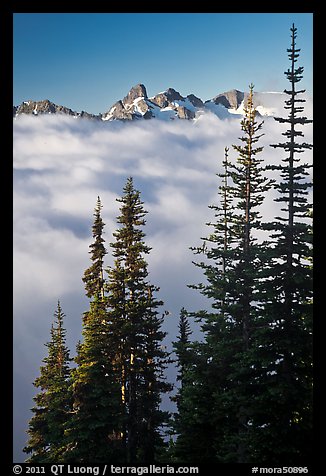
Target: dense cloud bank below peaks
point(61, 165)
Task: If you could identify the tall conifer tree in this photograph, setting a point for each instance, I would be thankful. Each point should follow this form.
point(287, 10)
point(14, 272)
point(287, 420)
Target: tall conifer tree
point(53, 403)
point(193, 424)
point(94, 432)
point(132, 311)
point(284, 411)
point(233, 266)
point(93, 276)
point(182, 345)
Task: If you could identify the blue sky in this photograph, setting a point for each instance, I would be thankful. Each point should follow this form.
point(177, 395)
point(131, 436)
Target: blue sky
point(87, 61)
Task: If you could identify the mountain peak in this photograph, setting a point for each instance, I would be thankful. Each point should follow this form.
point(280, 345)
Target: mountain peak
point(46, 106)
point(230, 99)
point(165, 98)
point(167, 105)
point(138, 91)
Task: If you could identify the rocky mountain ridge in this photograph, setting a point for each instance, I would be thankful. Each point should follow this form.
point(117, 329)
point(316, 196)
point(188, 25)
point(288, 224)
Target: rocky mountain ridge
point(169, 104)
point(47, 107)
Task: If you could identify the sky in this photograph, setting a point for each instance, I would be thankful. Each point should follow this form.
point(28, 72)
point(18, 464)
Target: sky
point(61, 164)
point(88, 61)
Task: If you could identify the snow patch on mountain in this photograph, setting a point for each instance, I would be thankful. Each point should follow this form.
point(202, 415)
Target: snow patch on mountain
point(171, 105)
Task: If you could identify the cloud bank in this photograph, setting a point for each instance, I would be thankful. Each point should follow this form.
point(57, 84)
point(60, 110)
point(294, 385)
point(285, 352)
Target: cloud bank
point(61, 165)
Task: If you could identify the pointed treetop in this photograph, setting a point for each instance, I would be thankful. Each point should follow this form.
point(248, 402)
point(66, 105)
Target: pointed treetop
point(93, 276)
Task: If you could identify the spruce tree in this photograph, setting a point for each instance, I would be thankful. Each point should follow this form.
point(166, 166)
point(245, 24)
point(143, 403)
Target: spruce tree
point(93, 276)
point(196, 428)
point(193, 424)
point(181, 347)
point(233, 265)
point(53, 403)
point(284, 409)
point(249, 190)
point(94, 432)
point(132, 311)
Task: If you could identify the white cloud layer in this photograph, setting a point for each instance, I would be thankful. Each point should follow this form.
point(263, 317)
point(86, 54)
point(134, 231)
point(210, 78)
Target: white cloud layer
point(61, 165)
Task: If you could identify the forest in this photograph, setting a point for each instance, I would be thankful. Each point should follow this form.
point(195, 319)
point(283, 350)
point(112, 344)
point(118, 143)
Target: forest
point(244, 392)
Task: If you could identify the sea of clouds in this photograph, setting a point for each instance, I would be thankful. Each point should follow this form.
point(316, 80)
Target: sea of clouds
point(61, 166)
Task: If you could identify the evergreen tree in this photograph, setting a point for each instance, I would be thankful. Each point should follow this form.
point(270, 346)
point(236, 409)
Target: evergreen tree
point(182, 345)
point(284, 409)
point(94, 431)
point(132, 311)
point(93, 276)
point(197, 428)
point(233, 269)
point(193, 423)
point(53, 403)
point(249, 190)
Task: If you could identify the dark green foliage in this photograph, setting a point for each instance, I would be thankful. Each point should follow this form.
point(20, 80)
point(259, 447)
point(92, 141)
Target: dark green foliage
point(93, 276)
point(132, 310)
point(116, 386)
point(193, 423)
point(53, 402)
point(245, 390)
point(221, 373)
point(94, 433)
point(285, 408)
point(181, 347)
point(254, 368)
